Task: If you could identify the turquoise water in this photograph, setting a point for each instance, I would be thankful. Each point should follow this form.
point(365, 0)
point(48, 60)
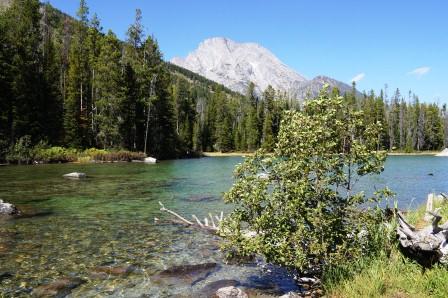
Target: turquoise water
point(412, 178)
point(71, 227)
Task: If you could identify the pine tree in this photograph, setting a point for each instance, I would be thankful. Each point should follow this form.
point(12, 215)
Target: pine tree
point(224, 140)
point(76, 107)
point(24, 41)
point(433, 128)
point(185, 107)
point(268, 135)
point(139, 90)
point(252, 129)
point(109, 83)
point(162, 133)
point(128, 108)
point(50, 107)
point(6, 94)
point(94, 36)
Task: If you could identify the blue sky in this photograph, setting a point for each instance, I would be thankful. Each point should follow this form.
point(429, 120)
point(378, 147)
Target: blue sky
point(400, 43)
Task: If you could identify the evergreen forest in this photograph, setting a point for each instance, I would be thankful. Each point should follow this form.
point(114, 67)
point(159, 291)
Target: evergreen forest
point(65, 82)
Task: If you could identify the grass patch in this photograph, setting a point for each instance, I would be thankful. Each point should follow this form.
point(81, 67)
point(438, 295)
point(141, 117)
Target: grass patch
point(393, 276)
point(389, 274)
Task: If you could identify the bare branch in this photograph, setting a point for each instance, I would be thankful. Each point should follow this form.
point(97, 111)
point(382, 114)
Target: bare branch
point(175, 214)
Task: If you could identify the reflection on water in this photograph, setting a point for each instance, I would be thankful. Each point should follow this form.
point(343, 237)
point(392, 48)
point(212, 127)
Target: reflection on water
point(73, 227)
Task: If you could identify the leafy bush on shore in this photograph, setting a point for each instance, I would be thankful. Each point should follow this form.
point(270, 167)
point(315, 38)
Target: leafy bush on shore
point(23, 153)
point(298, 201)
point(109, 156)
point(55, 155)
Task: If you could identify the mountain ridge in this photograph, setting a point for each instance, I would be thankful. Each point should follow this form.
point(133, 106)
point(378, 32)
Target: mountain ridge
point(235, 65)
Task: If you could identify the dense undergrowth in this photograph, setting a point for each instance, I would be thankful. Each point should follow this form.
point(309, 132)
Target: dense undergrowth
point(23, 153)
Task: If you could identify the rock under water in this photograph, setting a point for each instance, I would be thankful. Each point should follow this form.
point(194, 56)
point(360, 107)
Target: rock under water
point(58, 288)
point(210, 289)
point(104, 272)
point(190, 274)
point(230, 292)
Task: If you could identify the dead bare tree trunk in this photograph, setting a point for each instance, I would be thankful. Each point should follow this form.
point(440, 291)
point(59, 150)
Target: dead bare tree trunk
point(151, 95)
point(427, 246)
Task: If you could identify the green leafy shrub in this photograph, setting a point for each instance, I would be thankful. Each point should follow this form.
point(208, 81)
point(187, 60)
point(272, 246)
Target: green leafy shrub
point(124, 155)
point(297, 203)
point(55, 154)
point(94, 154)
point(110, 156)
point(21, 152)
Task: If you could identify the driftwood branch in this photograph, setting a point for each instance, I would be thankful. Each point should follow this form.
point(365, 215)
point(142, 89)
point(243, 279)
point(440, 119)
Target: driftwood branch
point(206, 225)
point(426, 246)
point(211, 226)
point(175, 214)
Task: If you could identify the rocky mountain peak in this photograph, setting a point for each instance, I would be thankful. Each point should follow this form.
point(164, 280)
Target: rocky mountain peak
point(235, 65)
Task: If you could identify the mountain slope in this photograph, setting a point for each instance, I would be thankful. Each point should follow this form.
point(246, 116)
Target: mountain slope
point(235, 65)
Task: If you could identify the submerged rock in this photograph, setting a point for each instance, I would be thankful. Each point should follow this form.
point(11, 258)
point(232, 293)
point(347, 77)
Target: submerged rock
point(210, 289)
point(104, 272)
point(8, 209)
point(5, 275)
point(206, 198)
point(58, 288)
point(75, 175)
point(230, 292)
point(186, 273)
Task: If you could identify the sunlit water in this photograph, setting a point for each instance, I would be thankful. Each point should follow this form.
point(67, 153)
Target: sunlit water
point(73, 226)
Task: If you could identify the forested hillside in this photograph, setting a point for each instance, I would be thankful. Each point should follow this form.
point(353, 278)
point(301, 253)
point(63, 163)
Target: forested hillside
point(68, 83)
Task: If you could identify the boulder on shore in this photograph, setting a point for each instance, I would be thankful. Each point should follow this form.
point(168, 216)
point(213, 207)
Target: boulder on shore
point(150, 160)
point(444, 152)
point(8, 209)
point(75, 175)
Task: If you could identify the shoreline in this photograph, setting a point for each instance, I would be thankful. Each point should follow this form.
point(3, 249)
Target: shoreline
point(420, 153)
point(226, 154)
point(220, 154)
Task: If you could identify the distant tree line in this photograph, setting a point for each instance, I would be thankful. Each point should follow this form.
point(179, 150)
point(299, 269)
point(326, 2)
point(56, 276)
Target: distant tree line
point(70, 84)
point(408, 124)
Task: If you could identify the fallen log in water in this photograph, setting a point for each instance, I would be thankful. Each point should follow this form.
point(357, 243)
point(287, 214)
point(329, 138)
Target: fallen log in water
point(210, 226)
point(427, 246)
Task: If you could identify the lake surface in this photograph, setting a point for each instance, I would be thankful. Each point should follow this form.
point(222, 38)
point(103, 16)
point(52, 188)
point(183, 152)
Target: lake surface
point(72, 227)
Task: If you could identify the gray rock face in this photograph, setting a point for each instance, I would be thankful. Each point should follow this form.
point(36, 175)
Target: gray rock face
point(235, 65)
point(8, 209)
